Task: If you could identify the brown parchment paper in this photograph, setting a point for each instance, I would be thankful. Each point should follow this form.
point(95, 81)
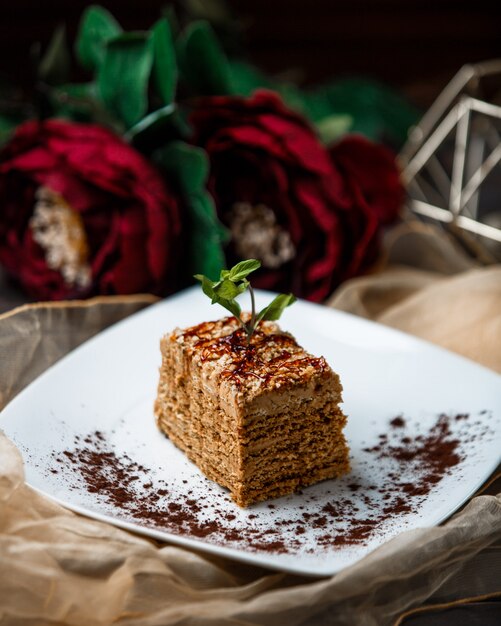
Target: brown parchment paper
point(60, 568)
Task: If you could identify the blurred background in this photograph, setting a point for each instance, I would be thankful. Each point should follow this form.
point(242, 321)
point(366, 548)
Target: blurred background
point(413, 45)
point(404, 52)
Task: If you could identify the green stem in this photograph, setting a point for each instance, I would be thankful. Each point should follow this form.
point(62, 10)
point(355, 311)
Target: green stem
point(243, 324)
point(253, 315)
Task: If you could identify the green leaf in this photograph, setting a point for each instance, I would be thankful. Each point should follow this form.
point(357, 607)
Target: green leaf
point(151, 122)
point(70, 101)
point(78, 91)
point(55, 65)
point(275, 309)
point(208, 288)
point(7, 127)
point(243, 269)
point(378, 112)
point(97, 27)
point(230, 305)
point(14, 109)
point(190, 163)
point(157, 129)
point(207, 234)
point(229, 290)
point(124, 74)
point(164, 64)
point(80, 102)
point(169, 13)
point(202, 61)
point(74, 100)
point(333, 127)
point(246, 78)
point(189, 167)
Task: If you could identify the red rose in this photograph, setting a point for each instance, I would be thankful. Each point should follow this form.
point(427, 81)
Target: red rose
point(371, 175)
point(280, 194)
point(81, 212)
point(276, 190)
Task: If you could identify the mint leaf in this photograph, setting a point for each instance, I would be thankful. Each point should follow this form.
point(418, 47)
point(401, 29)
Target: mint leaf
point(275, 309)
point(228, 289)
point(231, 284)
point(208, 288)
point(242, 270)
point(230, 305)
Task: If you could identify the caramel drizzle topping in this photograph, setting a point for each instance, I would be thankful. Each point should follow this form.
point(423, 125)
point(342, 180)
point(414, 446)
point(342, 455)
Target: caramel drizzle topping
point(247, 360)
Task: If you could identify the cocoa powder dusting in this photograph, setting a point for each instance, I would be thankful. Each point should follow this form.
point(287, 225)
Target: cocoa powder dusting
point(350, 512)
point(397, 422)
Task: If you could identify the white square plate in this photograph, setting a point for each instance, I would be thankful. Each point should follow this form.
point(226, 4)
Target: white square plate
point(424, 428)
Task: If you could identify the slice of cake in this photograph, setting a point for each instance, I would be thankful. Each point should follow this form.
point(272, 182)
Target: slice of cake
point(261, 419)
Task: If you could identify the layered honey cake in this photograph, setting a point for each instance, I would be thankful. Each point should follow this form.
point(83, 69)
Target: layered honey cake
point(261, 419)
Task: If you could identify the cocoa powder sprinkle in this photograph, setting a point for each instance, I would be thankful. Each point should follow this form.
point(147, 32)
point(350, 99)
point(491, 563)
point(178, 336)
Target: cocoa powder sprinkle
point(410, 465)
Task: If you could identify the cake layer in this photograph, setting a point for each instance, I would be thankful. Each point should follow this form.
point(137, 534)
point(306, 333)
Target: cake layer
point(262, 436)
point(262, 420)
point(289, 483)
point(283, 476)
point(213, 423)
point(293, 454)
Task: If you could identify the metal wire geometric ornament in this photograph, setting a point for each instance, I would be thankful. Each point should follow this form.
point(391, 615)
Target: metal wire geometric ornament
point(451, 162)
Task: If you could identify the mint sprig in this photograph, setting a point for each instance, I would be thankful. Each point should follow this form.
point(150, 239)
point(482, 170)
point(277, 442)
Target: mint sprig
point(233, 283)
